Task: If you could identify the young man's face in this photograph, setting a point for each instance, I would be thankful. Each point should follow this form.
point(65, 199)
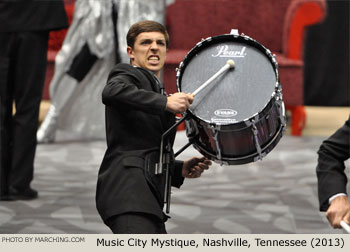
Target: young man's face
point(149, 51)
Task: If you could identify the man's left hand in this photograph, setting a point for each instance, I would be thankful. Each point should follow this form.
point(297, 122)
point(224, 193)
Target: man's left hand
point(194, 167)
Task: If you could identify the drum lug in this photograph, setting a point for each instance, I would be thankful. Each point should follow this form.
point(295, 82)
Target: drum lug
point(191, 130)
point(215, 127)
point(274, 61)
point(215, 130)
point(278, 86)
point(256, 141)
point(282, 116)
point(278, 92)
point(221, 163)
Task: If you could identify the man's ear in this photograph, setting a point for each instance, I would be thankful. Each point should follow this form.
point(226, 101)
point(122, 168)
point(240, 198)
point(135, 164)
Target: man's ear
point(130, 52)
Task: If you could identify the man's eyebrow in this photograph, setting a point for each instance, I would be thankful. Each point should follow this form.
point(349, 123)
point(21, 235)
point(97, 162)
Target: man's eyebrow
point(149, 39)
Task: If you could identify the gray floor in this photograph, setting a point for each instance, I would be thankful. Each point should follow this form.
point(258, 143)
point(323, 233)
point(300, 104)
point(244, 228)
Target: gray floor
point(276, 195)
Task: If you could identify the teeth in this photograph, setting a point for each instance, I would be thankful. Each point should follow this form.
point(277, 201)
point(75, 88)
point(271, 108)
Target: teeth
point(153, 58)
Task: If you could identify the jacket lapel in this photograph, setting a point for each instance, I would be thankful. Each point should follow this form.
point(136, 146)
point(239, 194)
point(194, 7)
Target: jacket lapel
point(155, 83)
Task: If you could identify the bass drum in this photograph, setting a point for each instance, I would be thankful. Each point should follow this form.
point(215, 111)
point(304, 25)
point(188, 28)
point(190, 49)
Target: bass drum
point(240, 116)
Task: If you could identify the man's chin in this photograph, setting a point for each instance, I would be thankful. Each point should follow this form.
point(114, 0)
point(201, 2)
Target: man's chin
point(154, 68)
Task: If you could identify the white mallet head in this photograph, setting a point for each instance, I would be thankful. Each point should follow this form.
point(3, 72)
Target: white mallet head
point(231, 63)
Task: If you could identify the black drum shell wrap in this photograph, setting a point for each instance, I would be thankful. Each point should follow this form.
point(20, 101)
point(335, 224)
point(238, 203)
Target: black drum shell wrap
point(248, 98)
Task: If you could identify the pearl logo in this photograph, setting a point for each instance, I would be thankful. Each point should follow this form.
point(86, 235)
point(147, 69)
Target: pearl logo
point(223, 51)
point(225, 112)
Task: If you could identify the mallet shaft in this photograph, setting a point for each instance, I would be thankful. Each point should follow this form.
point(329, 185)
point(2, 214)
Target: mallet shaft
point(345, 226)
point(228, 65)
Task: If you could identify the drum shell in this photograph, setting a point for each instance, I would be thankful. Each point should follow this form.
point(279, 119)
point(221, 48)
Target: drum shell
point(244, 140)
point(235, 142)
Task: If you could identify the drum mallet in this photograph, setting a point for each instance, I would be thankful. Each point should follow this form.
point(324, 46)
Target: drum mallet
point(229, 64)
point(345, 226)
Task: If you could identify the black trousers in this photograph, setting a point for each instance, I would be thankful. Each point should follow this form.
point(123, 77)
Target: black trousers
point(23, 59)
point(136, 223)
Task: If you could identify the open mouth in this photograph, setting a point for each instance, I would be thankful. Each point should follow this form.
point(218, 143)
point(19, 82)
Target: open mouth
point(153, 58)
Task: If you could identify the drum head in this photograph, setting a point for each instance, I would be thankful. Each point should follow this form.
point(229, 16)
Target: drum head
point(237, 94)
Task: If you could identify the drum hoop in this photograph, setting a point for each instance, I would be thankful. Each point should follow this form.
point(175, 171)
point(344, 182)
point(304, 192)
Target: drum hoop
point(241, 38)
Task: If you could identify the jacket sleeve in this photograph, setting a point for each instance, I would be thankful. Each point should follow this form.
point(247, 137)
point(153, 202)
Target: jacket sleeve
point(330, 168)
point(124, 90)
point(177, 179)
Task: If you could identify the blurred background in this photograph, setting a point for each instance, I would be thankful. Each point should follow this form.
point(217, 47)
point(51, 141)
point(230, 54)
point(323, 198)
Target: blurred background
point(309, 38)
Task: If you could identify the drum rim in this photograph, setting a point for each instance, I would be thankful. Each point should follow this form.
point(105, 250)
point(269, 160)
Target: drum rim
point(242, 38)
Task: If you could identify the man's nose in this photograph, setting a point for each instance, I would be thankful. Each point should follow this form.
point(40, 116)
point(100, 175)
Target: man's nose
point(154, 45)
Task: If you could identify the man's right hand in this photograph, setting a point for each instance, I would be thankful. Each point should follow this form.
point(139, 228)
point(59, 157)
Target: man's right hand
point(179, 102)
point(338, 210)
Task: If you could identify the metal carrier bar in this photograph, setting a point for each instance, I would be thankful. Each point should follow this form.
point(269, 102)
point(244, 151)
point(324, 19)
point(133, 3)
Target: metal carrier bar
point(190, 141)
point(164, 158)
point(159, 166)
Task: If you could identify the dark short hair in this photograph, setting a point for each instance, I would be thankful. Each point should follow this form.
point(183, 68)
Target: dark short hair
point(145, 26)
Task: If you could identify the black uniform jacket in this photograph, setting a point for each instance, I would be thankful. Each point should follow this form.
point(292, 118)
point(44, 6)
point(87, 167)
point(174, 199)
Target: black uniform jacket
point(331, 169)
point(135, 120)
point(32, 15)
